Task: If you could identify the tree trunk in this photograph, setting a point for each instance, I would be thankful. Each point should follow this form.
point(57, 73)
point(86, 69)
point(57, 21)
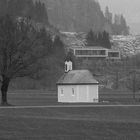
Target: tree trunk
point(4, 89)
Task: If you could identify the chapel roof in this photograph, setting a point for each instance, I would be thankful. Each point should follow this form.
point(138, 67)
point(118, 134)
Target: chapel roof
point(77, 77)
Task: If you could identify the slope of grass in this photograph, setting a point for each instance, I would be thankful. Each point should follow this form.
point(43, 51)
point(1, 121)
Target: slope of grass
point(90, 123)
point(111, 123)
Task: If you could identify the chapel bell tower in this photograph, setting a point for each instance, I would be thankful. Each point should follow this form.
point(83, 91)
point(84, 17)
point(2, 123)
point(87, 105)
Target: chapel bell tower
point(68, 66)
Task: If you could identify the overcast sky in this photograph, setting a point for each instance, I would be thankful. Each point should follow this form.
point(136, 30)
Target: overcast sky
point(129, 8)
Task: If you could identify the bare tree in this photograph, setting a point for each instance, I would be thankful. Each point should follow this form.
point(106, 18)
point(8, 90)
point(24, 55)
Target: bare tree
point(21, 50)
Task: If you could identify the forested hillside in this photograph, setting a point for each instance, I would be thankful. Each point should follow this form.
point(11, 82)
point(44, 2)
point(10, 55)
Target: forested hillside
point(83, 15)
point(75, 15)
point(66, 15)
point(21, 8)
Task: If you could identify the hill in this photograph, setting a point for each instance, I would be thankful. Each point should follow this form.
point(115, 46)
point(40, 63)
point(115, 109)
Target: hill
point(75, 15)
point(24, 8)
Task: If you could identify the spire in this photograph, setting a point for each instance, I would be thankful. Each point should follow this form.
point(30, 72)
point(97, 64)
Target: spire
point(68, 66)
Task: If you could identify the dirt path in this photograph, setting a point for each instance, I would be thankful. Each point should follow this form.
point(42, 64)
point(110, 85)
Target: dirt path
point(66, 106)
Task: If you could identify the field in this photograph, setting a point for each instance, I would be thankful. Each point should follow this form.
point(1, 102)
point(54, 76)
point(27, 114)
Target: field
point(26, 122)
point(50, 98)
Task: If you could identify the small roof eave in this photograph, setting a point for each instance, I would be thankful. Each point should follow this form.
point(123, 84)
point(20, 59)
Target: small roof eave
point(77, 83)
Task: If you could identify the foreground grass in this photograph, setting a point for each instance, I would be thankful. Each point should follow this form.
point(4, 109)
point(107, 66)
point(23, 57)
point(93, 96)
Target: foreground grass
point(112, 123)
point(93, 123)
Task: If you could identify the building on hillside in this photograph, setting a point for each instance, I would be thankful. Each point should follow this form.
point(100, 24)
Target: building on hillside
point(92, 52)
point(77, 86)
point(114, 55)
point(89, 52)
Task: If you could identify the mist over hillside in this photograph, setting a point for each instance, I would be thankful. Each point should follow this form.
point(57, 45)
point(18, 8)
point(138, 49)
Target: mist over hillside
point(67, 15)
point(75, 15)
point(135, 28)
point(130, 9)
point(24, 8)
point(81, 16)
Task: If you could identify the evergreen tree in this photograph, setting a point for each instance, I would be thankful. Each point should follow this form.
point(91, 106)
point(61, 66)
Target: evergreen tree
point(98, 39)
point(91, 38)
point(106, 40)
point(24, 8)
point(120, 27)
point(108, 15)
point(58, 48)
point(44, 14)
point(125, 29)
point(3, 7)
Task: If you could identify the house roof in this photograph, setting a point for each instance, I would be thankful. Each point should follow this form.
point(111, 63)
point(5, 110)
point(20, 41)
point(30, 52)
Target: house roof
point(77, 77)
point(89, 47)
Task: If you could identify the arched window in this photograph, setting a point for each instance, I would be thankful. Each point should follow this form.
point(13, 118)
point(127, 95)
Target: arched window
point(62, 92)
point(73, 92)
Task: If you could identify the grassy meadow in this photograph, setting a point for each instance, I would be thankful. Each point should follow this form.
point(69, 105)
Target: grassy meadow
point(66, 123)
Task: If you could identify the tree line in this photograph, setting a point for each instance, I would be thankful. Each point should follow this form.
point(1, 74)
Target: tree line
point(24, 8)
point(98, 39)
point(117, 23)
